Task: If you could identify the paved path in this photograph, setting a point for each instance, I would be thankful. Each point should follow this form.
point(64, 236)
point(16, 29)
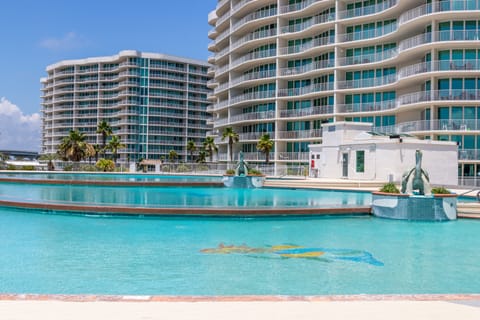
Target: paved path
point(298, 310)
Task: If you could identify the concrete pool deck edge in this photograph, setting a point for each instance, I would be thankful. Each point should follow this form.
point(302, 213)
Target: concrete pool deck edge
point(242, 298)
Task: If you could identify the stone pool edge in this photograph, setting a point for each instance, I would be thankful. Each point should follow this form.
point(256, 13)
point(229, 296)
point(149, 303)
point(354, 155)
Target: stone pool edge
point(242, 298)
point(193, 211)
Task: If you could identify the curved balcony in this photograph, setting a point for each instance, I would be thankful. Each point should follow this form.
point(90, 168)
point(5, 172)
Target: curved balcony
point(439, 95)
point(252, 135)
point(367, 107)
point(366, 83)
point(300, 134)
point(254, 56)
point(293, 156)
point(252, 116)
point(254, 16)
point(368, 58)
point(439, 65)
point(317, 65)
point(306, 112)
point(254, 76)
point(318, 42)
point(367, 10)
point(313, 88)
point(316, 20)
point(212, 18)
point(222, 87)
point(444, 6)
point(219, 55)
point(253, 96)
point(298, 6)
point(240, 5)
point(254, 36)
point(369, 34)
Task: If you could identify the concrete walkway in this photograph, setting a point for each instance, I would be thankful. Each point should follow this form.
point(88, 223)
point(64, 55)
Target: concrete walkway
point(358, 310)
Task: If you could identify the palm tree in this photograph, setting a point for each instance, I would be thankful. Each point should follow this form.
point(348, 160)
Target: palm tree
point(232, 138)
point(114, 145)
point(49, 157)
point(265, 145)
point(3, 158)
point(202, 155)
point(105, 130)
point(74, 147)
point(191, 147)
point(172, 156)
point(210, 146)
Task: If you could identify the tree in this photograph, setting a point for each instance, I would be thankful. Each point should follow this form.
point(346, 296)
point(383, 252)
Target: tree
point(74, 147)
point(232, 138)
point(105, 130)
point(202, 156)
point(191, 147)
point(114, 145)
point(265, 145)
point(105, 165)
point(3, 158)
point(49, 157)
point(172, 156)
point(210, 146)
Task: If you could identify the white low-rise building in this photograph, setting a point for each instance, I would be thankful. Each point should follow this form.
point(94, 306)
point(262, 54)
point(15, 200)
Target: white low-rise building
point(353, 151)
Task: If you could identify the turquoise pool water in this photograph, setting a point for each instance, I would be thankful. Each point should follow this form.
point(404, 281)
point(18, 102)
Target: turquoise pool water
point(110, 177)
point(63, 254)
point(181, 196)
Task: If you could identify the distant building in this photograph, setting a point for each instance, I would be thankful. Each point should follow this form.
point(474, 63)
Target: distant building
point(353, 151)
point(154, 102)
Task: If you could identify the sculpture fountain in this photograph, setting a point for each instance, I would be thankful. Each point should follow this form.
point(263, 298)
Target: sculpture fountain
point(416, 201)
point(241, 179)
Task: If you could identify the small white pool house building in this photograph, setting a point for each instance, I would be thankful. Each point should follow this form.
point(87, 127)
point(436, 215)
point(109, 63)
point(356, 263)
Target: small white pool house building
point(352, 150)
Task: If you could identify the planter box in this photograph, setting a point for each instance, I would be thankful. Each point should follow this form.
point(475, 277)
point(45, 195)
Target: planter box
point(440, 207)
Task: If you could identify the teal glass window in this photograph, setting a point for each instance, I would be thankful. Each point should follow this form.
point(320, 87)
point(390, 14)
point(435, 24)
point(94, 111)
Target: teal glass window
point(360, 161)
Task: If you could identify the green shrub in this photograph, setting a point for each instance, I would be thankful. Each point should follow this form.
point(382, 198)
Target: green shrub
point(440, 190)
point(165, 168)
point(11, 167)
point(28, 168)
point(105, 165)
point(88, 167)
point(230, 172)
point(68, 167)
point(202, 167)
point(183, 168)
point(254, 172)
point(390, 188)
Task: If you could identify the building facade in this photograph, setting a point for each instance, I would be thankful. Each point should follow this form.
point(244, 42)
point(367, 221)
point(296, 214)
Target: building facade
point(154, 102)
point(284, 67)
point(350, 150)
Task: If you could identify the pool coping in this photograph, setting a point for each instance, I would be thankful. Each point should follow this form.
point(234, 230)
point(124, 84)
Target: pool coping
point(240, 298)
point(191, 211)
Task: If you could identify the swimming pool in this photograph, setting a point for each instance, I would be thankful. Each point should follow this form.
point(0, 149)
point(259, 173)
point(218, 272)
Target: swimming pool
point(127, 177)
point(64, 254)
point(178, 197)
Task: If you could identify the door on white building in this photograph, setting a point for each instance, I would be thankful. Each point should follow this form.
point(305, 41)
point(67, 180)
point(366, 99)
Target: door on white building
point(345, 165)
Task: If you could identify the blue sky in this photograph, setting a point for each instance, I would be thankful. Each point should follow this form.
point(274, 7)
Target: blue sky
point(35, 34)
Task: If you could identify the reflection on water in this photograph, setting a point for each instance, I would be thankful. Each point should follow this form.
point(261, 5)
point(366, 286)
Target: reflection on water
point(182, 196)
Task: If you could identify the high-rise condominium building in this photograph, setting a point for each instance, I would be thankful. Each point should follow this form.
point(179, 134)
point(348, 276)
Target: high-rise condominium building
point(154, 102)
point(284, 67)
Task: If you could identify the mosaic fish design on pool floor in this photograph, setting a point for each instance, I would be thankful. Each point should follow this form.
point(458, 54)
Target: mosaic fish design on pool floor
point(297, 252)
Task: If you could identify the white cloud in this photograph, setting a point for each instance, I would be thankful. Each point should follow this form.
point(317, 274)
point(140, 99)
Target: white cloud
point(18, 131)
point(69, 41)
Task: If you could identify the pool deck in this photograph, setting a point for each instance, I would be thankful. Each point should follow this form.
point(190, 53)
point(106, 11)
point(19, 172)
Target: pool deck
point(363, 307)
point(359, 307)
